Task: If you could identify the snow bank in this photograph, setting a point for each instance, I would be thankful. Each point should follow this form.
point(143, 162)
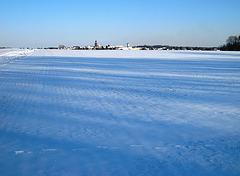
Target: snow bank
point(11, 55)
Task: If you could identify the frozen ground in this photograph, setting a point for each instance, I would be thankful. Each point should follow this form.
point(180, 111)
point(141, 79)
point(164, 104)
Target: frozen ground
point(120, 113)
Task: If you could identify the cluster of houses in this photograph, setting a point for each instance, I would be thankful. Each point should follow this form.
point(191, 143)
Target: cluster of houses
point(97, 47)
point(128, 47)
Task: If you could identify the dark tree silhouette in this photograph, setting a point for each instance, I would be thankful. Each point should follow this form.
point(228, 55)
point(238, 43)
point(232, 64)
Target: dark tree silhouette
point(232, 44)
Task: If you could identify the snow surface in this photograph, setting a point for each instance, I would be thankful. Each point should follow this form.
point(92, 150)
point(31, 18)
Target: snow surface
point(66, 112)
point(11, 55)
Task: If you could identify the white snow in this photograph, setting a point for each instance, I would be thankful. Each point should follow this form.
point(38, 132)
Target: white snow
point(142, 54)
point(120, 113)
point(11, 55)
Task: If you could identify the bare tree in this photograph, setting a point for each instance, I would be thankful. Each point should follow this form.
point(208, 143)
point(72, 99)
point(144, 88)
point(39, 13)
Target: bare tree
point(233, 40)
point(232, 44)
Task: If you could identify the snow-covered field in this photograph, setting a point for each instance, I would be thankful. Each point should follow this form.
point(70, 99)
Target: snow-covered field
point(120, 113)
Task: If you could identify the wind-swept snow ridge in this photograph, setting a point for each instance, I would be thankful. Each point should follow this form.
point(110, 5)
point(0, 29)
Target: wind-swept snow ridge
point(11, 55)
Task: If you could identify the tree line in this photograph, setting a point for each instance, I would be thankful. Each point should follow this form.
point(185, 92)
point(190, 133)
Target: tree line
point(232, 44)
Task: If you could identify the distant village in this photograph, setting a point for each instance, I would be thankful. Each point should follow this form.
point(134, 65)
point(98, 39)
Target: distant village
point(128, 47)
point(232, 44)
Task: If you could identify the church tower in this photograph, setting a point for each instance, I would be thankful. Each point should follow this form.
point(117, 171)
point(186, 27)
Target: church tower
point(96, 44)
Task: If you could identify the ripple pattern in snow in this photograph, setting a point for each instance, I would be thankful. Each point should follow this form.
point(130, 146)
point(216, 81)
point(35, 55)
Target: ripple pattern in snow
point(134, 113)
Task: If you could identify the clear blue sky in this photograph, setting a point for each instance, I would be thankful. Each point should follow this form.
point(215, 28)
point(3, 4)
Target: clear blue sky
point(40, 23)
